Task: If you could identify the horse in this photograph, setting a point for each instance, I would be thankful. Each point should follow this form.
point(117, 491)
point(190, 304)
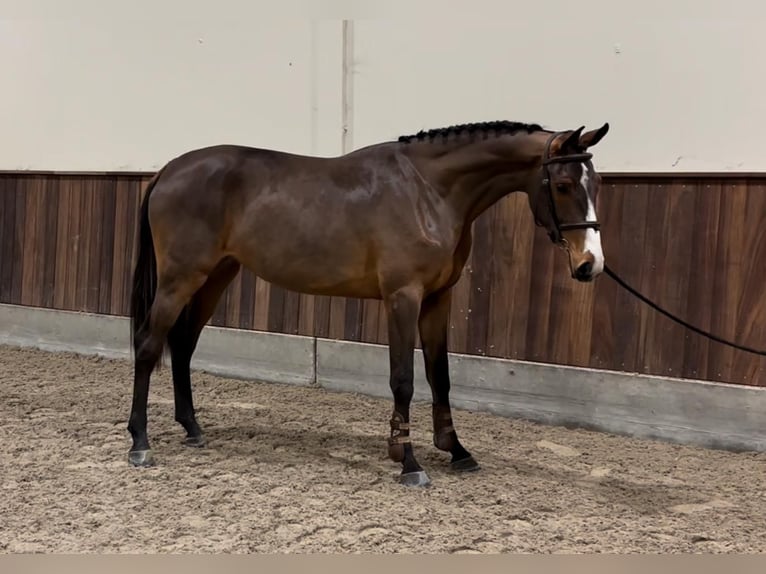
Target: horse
point(390, 221)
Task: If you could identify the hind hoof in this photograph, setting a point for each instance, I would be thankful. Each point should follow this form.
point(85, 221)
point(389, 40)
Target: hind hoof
point(195, 441)
point(465, 465)
point(141, 458)
point(415, 479)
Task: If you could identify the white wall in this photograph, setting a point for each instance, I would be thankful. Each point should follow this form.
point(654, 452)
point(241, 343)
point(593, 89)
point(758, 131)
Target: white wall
point(680, 82)
point(129, 95)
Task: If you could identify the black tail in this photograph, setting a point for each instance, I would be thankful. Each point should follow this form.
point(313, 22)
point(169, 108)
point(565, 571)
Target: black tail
point(145, 273)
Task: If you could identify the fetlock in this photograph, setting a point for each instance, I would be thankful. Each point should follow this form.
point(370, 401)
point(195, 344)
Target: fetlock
point(400, 431)
point(444, 431)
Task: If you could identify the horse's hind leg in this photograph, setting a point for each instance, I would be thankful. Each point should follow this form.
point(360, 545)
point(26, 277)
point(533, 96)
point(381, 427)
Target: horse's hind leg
point(173, 293)
point(183, 338)
point(434, 325)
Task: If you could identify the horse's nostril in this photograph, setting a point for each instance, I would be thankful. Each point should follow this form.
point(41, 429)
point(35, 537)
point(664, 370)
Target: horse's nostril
point(583, 272)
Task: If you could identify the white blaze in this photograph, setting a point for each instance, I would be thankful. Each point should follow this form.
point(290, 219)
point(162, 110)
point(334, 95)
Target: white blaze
point(592, 236)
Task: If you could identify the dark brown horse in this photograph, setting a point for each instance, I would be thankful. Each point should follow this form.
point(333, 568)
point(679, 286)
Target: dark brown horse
point(391, 221)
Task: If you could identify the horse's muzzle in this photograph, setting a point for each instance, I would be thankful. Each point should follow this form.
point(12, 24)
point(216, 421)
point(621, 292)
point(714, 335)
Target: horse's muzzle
point(584, 272)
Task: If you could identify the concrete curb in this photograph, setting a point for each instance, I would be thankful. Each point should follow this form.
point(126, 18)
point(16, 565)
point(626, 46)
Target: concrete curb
point(684, 411)
point(269, 357)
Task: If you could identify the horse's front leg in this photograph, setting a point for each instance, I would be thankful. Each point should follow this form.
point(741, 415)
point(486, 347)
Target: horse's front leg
point(403, 308)
point(434, 326)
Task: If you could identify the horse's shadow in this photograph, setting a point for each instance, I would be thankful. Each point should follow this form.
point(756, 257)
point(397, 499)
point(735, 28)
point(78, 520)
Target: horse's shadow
point(346, 449)
point(338, 447)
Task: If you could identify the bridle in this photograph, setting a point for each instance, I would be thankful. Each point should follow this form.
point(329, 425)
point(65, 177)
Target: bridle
point(556, 237)
point(555, 234)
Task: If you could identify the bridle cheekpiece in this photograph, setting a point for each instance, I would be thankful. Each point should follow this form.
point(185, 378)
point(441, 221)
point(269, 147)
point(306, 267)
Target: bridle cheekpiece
point(555, 234)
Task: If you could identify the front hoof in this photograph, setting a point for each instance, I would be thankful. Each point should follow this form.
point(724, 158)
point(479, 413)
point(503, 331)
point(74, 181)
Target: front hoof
point(417, 479)
point(195, 441)
point(141, 458)
point(465, 465)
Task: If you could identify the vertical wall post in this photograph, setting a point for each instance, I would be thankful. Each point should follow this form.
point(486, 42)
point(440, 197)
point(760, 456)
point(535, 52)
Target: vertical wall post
point(348, 86)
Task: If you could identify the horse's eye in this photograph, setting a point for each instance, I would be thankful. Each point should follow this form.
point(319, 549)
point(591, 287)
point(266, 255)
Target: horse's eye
point(562, 188)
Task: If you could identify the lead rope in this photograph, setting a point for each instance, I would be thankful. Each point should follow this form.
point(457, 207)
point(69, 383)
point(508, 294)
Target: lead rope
point(556, 237)
point(672, 317)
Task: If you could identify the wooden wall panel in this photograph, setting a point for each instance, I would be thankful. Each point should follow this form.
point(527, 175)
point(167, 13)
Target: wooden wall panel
point(247, 300)
point(32, 225)
point(605, 327)
point(694, 245)
point(7, 242)
point(753, 299)
point(510, 286)
point(700, 301)
point(542, 270)
point(18, 237)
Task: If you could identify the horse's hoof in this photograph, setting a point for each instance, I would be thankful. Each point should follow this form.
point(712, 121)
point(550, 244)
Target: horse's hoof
point(465, 465)
point(195, 441)
point(419, 478)
point(142, 458)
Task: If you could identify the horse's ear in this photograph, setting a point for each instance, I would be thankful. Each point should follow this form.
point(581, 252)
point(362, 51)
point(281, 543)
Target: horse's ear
point(591, 138)
point(572, 143)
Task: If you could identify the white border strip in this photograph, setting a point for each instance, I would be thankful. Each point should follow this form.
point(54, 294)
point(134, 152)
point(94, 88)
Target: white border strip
point(685, 411)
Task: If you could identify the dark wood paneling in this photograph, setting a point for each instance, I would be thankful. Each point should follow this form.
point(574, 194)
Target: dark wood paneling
point(515, 236)
point(261, 307)
point(291, 313)
point(481, 278)
point(700, 301)
point(306, 315)
point(7, 211)
point(247, 300)
point(694, 245)
point(605, 328)
point(322, 317)
point(51, 202)
point(623, 258)
point(542, 271)
point(276, 309)
point(32, 237)
point(17, 241)
point(352, 330)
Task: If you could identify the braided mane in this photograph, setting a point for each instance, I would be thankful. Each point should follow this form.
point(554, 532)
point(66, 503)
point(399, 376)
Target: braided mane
point(482, 128)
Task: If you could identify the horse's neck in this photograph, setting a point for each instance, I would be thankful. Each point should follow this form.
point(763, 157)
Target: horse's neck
point(474, 176)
